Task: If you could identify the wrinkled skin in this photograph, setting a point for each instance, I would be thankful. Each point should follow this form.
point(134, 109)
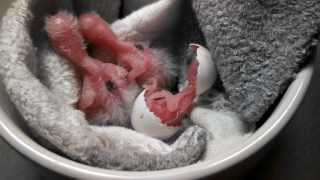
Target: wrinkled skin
point(131, 65)
point(60, 124)
point(122, 64)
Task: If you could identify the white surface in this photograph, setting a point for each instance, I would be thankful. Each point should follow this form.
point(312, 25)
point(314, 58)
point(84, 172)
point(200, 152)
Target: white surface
point(226, 130)
point(207, 73)
point(146, 122)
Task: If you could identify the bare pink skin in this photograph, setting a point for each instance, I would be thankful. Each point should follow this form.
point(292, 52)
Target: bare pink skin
point(142, 64)
point(64, 33)
point(170, 108)
point(130, 65)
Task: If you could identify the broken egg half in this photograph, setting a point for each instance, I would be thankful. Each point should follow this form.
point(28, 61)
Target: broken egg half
point(207, 72)
point(145, 121)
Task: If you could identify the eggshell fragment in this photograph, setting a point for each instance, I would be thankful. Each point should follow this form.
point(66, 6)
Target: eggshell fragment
point(144, 121)
point(207, 72)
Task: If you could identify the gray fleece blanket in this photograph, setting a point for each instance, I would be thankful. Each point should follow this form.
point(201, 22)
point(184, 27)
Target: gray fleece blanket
point(258, 46)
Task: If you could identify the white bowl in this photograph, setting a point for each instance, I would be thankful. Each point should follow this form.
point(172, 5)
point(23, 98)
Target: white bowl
point(13, 131)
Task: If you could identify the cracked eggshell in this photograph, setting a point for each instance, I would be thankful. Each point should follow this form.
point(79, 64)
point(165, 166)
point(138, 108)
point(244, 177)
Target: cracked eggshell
point(207, 72)
point(146, 122)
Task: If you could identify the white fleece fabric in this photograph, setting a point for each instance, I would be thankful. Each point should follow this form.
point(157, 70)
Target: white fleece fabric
point(226, 130)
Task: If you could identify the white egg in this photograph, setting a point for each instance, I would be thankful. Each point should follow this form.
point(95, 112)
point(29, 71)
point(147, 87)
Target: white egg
point(144, 121)
point(207, 73)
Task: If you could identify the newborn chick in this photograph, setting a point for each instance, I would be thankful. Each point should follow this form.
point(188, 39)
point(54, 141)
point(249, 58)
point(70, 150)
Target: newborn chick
point(146, 68)
point(103, 104)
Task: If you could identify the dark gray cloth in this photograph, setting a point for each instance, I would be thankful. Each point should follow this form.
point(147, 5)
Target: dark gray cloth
point(132, 5)
point(108, 9)
point(258, 45)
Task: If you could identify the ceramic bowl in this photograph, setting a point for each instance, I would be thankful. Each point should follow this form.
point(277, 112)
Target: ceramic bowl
point(13, 131)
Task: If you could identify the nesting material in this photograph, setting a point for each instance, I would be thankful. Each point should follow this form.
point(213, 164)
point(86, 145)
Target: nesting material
point(59, 75)
point(258, 45)
point(226, 130)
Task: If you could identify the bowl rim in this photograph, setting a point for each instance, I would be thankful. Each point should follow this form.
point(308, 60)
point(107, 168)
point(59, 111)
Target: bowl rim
point(275, 123)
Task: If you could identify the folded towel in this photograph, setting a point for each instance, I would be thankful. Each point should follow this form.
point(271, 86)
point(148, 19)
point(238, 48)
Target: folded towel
point(258, 45)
